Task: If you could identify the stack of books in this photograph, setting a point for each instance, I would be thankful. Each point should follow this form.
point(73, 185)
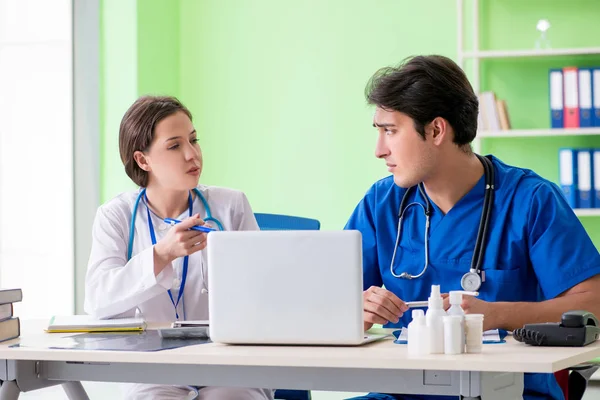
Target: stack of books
point(10, 326)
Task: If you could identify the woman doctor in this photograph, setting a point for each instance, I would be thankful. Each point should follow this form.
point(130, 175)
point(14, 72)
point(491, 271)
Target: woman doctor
point(138, 262)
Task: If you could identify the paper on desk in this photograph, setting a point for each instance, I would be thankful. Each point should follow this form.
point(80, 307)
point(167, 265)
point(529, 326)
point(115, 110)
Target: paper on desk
point(149, 340)
point(489, 337)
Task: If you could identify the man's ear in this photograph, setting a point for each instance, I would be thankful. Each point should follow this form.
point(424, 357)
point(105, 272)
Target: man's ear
point(439, 129)
point(141, 160)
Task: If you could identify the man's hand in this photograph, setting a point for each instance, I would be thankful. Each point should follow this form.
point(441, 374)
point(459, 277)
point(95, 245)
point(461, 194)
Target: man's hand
point(473, 305)
point(381, 306)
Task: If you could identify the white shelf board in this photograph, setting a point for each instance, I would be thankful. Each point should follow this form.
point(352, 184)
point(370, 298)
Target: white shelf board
point(511, 133)
point(532, 53)
point(587, 212)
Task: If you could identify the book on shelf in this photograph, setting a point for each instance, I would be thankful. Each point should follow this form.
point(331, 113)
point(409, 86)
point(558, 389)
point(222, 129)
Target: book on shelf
point(493, 113)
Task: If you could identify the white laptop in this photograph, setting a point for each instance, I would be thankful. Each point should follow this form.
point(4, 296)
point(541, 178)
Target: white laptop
point(286, 287)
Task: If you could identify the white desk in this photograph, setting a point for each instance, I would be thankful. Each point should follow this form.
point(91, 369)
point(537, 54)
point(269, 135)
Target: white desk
point(497, 373)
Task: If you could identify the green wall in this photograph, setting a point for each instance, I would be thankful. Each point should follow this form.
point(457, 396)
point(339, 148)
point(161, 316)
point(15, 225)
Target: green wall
point(277, 93)
point(118, 87)
point(140, 54)
point(276, 88)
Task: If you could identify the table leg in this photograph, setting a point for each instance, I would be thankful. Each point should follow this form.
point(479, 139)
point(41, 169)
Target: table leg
point(74, 391)
point(9, 391)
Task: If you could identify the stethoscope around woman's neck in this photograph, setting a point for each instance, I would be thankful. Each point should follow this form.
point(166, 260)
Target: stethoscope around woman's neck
point(209, 218)
point(472, 280)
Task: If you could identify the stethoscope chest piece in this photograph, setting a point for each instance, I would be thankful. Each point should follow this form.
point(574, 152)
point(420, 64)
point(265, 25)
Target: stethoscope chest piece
point(471, 281)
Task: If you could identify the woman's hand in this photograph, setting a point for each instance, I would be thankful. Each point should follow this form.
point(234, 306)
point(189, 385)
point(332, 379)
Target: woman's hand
point(180, 241)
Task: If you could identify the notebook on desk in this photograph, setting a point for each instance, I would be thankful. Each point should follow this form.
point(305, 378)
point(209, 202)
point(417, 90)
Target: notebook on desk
point(286, 287)
point(87, 323)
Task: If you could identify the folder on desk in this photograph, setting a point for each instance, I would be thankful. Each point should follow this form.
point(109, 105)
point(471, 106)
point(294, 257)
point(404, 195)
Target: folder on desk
point(584, 178)
point(87, 323)
point(489, 337)
point(556, 98)
point(585, 97)
point(571, 97)
point(568, 177)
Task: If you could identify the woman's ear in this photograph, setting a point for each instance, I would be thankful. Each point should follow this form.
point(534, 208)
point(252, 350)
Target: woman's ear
point(141, 160)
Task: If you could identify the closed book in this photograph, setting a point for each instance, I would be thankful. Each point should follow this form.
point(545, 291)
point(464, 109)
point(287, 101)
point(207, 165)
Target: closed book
point(6, 311)
point(10, 329)
point(87, 323)
point(10, 296)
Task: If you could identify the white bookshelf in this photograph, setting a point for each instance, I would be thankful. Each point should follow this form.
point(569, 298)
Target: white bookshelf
point(587, 212)
point(476, 56)
point(515, 133)
point(481, 54)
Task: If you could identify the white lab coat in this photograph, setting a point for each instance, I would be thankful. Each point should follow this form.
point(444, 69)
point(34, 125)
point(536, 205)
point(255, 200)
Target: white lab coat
point(117, 287)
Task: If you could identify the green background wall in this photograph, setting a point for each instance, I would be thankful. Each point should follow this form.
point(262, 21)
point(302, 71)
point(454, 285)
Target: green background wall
point(276, 88)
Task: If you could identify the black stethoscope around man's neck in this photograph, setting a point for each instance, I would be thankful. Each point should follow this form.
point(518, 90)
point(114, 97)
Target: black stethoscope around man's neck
point(471, 281)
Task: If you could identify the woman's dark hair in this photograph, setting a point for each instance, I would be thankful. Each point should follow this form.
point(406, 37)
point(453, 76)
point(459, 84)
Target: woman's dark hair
point(427, 87)
point(137, 130)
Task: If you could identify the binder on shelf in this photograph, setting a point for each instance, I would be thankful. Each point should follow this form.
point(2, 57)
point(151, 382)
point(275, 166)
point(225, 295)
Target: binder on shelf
point(585, 97)
point(584, 179)
point(567, 164)
point(571, 97)
point(556, 98)
point(596, 96)
point(596, 176)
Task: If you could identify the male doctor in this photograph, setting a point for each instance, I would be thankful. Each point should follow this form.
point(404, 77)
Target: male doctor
point(537, 260)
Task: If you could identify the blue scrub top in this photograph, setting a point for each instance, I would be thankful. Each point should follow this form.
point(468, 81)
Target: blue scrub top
point(536, 246)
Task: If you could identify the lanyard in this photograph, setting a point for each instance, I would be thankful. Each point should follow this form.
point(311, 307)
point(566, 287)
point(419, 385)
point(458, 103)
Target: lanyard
point(185, 259)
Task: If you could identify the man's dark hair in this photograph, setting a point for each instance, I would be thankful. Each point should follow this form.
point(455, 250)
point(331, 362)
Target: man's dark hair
point(137, 130)
point(426, 87)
